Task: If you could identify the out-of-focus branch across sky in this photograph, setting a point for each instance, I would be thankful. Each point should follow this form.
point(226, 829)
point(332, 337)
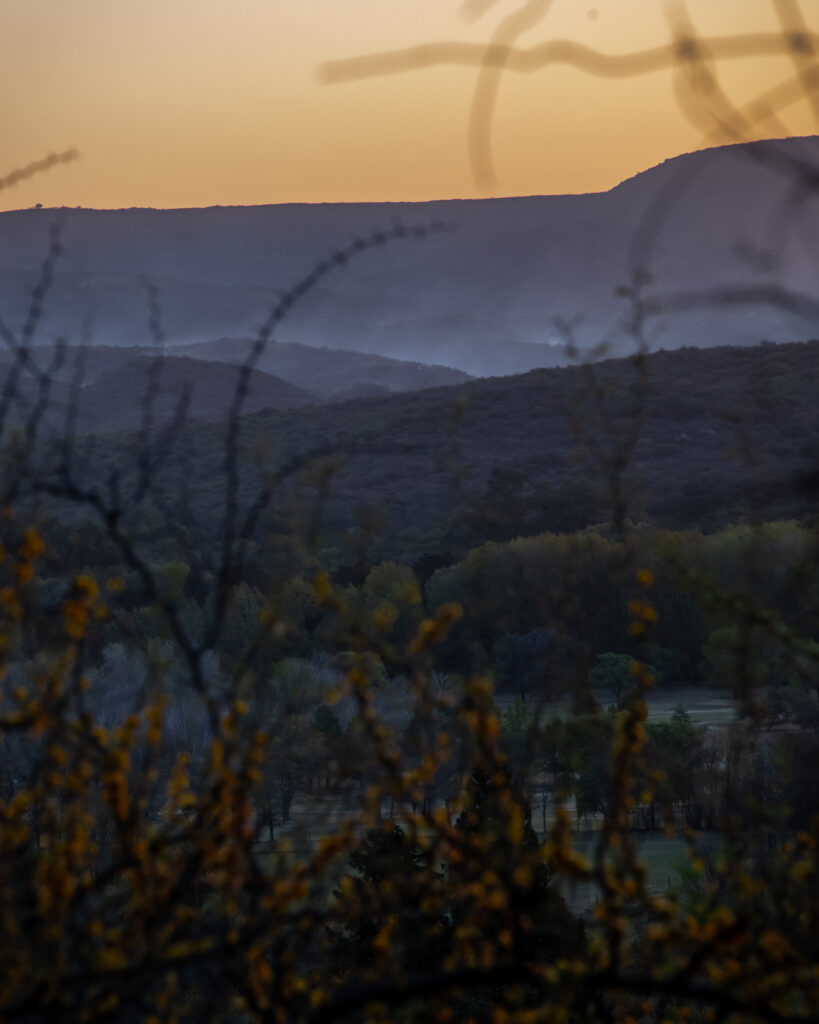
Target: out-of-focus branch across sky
point(205, 102)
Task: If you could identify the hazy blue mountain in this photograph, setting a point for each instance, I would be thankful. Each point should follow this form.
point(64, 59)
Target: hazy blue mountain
point(483, 296)
point(116, 398)
point(325, 374)
point(117, 392)
point(331, 373)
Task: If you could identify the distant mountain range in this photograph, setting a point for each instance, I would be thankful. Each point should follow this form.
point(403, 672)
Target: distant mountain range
point(112, 388)
point(482, 297)
point(330, 374)
point(117, 399)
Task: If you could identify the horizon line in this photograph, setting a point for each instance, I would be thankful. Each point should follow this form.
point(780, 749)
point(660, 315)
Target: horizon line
point(411, 202)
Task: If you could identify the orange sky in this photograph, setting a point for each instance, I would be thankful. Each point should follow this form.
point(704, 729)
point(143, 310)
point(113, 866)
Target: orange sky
point(202, 102)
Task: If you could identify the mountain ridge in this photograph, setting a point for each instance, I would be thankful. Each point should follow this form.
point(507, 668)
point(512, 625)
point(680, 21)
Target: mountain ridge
point(510, 269)
point(421, 202)
point(726, 434)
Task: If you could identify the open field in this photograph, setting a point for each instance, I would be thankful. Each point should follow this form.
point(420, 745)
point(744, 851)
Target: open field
point(314, 815)
point(662, 857)
point(706, 706)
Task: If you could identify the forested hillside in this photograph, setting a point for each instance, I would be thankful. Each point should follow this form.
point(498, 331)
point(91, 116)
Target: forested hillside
point(681, 439)
point(102, 389)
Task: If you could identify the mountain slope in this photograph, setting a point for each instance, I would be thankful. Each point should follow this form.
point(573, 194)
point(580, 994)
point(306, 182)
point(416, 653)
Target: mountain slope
point(120, 391)
point(724, 435)
point(320, 373)
point(115, 400)
point(327, 372)
point(482, 297)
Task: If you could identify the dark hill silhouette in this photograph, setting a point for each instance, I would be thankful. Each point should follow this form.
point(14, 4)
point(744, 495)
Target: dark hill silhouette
point(330, 373)
point(726, 433)
point(482, 297)
point(115, 397)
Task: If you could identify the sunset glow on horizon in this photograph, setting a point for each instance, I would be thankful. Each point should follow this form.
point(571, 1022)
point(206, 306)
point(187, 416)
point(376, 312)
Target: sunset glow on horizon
point(199, 103)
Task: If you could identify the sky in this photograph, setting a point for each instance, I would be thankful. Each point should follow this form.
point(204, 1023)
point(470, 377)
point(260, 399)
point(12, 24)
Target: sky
point(235, 102)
